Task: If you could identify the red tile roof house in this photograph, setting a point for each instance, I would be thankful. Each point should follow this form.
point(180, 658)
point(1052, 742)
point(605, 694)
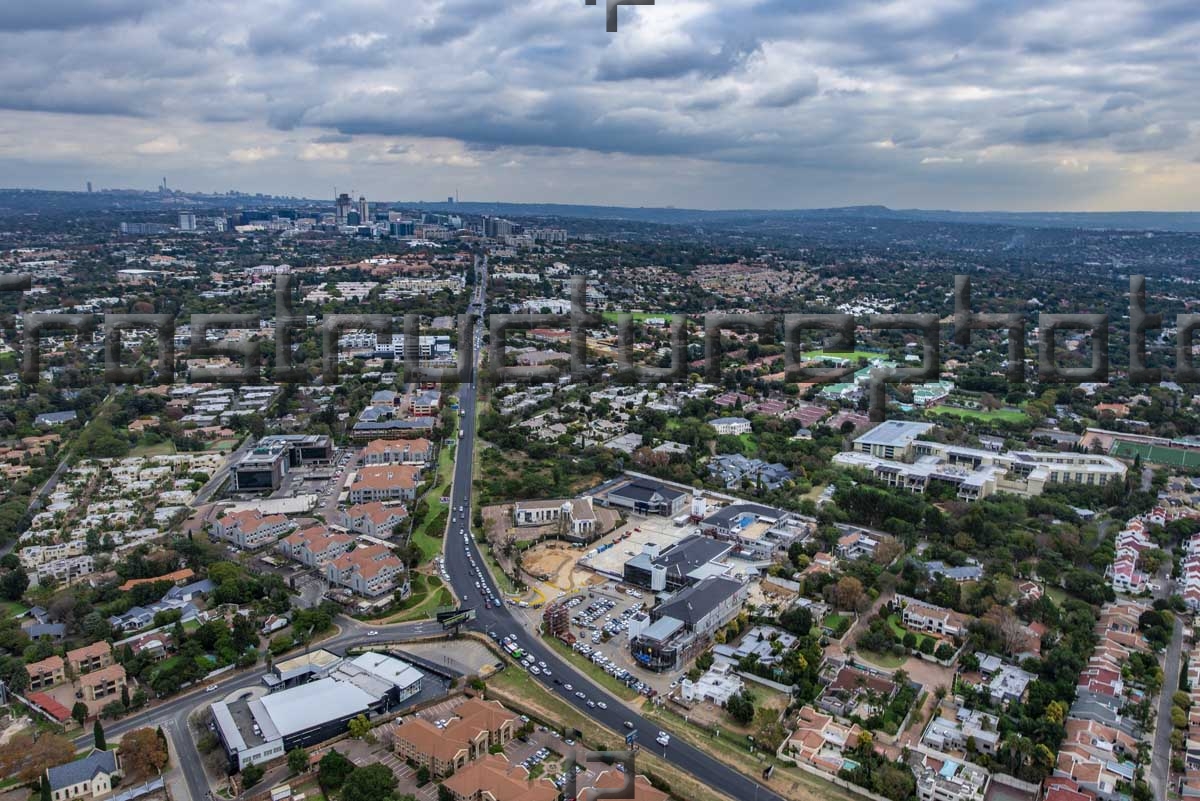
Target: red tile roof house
point(369, 570)
point(401, 451)
point(315, 546)
point(374, 519)
point(385, 483)
point(250, 529)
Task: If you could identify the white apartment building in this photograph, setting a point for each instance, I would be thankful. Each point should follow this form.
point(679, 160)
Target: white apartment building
point(251, 529)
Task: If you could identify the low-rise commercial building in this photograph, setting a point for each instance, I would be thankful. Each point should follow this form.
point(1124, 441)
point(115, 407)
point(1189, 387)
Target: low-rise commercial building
point(254, 730)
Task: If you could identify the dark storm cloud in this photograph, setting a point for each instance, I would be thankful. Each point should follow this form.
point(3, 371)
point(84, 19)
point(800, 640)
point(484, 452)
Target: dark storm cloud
point(911, 90)
point(56, 15)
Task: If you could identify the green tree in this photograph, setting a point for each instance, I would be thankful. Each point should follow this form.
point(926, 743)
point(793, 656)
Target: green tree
point(251, 775)
point(297, 760)
point(370, 783)
point(98, 736)
point(13, 584)
point(741, 707)
point(79, 712)
point(333, 769)
point(444, 793)
point(46, 789)
point(422, 775)
point(360, 727)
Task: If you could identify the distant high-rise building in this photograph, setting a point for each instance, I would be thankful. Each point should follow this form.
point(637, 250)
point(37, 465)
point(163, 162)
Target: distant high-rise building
point(352, 218)
point(89, 186)
point(344, 205)
point(187, 221)
point(450, 199)
point(363, 216)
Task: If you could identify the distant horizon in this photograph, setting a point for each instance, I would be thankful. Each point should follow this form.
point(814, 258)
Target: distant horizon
point(578, 204)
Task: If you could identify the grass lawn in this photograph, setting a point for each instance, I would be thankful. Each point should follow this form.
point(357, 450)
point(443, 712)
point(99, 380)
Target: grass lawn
point(834, 622)
point(611, 317)
point(1057, 594)
point(594, 672)
point(886, 661)
point(423, 536)
point(895, 625)
point(853, 356)
point(1005, 415)
point(424, 603)
point(519, 686)
point(502, 579)
point(12, 608)
point(161, 449)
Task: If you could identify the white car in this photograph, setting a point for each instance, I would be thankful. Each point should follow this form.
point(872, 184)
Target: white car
point(602, 705)
point(372, 633)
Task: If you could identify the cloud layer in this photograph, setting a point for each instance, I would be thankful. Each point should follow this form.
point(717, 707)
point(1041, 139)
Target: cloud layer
point(717, 103)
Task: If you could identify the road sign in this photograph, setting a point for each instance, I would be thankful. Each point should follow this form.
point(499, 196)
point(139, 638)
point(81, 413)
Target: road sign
point(455, 617)
point(631, 738)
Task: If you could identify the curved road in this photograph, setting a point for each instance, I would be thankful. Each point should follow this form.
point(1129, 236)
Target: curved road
point(500, 621)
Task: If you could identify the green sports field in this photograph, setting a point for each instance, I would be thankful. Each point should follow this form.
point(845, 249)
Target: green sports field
point(1007, 415)
point(1156, 454)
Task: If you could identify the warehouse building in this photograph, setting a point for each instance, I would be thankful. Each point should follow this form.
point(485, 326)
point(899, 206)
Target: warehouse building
point(255, 730)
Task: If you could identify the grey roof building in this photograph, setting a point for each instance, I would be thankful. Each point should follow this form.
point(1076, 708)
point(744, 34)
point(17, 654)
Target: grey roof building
point(704, 607)
point(88, 769)
point(54, 418)
point(646, 496)
point(684, 563)
point(959, 574)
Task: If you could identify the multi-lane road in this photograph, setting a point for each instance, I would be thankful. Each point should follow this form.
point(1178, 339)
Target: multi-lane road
point(501, 621)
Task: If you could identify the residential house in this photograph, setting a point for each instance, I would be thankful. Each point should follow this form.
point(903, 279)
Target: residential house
point(46, 672)
point(315, 546)
point(251, 529)
point(730, 426)
point(102, 683)
point(92, 776)
point(369, 570)
point(397, 451)
point(922, 616)
point(385, 483)
point(90, 657)
point(374, 519)
point(820, 740)
point(493, 778)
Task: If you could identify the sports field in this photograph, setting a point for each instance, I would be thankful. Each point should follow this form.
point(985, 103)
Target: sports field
point(1007, 415)
point(852, 355)
point(1156, 454)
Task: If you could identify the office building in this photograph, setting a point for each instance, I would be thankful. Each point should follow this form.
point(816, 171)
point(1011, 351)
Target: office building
point(254, 730)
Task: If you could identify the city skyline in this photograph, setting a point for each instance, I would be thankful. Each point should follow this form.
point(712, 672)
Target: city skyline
point(966, 105)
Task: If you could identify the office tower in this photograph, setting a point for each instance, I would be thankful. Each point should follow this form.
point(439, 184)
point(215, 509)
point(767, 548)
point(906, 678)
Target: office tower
point(187, 221)
point(363, 216)
point(89, 186)
point(344, 205)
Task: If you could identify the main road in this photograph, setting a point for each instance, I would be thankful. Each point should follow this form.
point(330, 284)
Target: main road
point(500, 621)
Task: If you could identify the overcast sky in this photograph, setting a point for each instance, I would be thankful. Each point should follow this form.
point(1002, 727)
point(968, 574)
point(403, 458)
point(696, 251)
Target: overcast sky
point(966, 104)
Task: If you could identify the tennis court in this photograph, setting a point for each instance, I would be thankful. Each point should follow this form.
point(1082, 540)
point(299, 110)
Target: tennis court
point(1156, 454)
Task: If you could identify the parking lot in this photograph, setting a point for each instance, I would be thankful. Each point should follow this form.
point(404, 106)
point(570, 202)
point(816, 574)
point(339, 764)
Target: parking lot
point(628, 540)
